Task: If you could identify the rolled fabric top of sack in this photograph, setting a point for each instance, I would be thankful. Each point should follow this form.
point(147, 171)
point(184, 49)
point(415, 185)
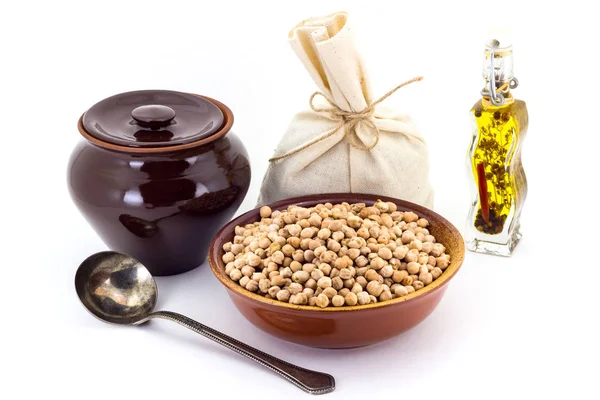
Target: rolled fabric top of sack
point(347, 141)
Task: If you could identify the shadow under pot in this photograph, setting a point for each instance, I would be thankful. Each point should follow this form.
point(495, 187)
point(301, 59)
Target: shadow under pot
point(157, 174)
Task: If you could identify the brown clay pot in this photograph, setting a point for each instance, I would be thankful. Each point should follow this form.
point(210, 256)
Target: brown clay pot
point(342, 327)
point(158, 174)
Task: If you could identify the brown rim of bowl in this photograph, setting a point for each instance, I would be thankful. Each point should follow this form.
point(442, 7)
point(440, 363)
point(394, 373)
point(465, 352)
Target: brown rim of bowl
point(228, 123)
point(219, 270)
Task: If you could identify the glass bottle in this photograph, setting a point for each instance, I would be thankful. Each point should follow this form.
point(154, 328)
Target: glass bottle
point(494, 158)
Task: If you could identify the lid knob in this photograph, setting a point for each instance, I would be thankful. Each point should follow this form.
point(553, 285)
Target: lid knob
point(153, 116)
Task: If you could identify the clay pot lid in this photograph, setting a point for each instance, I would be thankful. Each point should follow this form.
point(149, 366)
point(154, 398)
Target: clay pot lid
point(153, 119)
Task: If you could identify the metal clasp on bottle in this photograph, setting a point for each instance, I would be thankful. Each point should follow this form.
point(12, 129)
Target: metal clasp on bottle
point(496, 99)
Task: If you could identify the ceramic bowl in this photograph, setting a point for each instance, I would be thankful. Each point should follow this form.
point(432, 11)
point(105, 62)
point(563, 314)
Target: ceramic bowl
point(348, 326)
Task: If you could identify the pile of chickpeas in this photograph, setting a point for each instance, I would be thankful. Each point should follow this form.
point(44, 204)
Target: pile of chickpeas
point(335, 255)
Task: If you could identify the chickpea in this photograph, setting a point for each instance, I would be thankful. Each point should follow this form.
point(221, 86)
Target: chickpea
point(325, 268)
point(386, 271)
point(257, 276)
point(300, 276)
point(387, 221)
point(416, 244)
point(286, 272)
point(374, 288)
point(317, 274)
point(411, 256)
point(385, 295)
point(299, 299)
point(356, 288)
point(315, 220)
point(362, 281)
point(400, 291)
point(430, 238)
point(277, 280)
point(273, 290)
point(295, 266)
point(311, 284)
point(238, 248)
point(336, 225)
point(377, 263)
point(314, 244)
point(436, 272)
point(247, 271)
point(322, 300)
point(363, 233)
point(422, 222)
point(295, 288)
point(413, 267)
point(228, 257)
point(401, 252)
point(418, 284)
point(353, 253)
point(407, 281)
point(295, 243)
point(306, 233)
point(410, 217)
point(363, 298)
point(252, 286)
point(399, 275)
point(437, 250)
point(293, 230)
point(427, 247)
point(320, 250)
point(277, 257)
point(351, 299)
point(308, 267)
point(235, 274)
point(371, 275)
point(361, 261)
point(265, 212)
point(264, 285)
point(229, 267)
point(324, 282)
point(341, 263)
point(337, 283)
point(442, 262)
point(423, 258)
point(385, 253)
point(345, 273)
point(408, 236)
point(328, 257)
point(329, 292)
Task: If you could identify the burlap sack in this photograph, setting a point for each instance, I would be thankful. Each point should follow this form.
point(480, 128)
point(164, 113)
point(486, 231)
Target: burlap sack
point(347, 142)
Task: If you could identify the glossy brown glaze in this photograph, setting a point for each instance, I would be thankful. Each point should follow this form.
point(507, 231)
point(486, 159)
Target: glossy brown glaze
point(343, 327)
point(162, 208)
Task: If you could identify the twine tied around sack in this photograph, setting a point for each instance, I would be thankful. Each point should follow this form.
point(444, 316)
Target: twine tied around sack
point(347, 119)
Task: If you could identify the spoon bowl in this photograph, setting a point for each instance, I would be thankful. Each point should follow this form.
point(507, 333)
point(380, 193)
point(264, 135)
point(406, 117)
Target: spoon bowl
point(118, 289)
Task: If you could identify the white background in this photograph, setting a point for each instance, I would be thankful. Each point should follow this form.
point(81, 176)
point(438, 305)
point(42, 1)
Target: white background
point(525, 327)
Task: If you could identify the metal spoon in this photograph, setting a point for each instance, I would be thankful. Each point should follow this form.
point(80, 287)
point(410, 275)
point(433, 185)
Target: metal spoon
point(118, 289)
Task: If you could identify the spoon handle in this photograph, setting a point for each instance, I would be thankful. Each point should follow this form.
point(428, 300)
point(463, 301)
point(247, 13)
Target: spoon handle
point(310, 381)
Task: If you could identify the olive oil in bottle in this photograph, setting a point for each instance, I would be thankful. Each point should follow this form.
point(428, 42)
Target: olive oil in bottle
point(494, 158)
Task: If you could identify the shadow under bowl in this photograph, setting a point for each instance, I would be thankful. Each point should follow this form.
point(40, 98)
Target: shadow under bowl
point(348, 326)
